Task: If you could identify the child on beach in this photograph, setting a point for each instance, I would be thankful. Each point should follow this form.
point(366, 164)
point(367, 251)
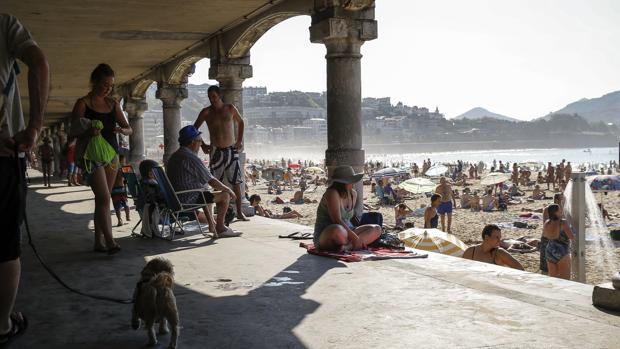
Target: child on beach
point(474, 202)
point(119, 197)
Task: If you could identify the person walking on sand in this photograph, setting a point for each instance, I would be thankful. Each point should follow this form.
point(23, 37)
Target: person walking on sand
point(225, 146)
point(445, 208)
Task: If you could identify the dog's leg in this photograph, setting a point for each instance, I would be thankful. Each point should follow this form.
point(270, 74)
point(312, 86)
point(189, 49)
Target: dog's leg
point(173, 320)
point(163, 329)
point(150, 328)
point(175, 334)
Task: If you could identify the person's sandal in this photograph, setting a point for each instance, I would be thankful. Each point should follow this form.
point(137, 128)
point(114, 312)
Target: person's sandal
point(19, 324)
point(114, 249)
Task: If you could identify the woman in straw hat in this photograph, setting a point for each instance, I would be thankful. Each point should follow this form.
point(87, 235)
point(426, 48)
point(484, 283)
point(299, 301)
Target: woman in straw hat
point(333, 230)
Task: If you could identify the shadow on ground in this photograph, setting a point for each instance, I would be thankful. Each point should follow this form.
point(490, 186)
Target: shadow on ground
point(265, 316)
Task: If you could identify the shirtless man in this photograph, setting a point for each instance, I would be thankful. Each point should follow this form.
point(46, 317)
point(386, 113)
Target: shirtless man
point(225, 147)
point(445, 190)
point(550, 175)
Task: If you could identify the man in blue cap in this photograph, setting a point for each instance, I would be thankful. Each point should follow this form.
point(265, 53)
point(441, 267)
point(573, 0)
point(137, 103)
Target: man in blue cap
point(186, 171)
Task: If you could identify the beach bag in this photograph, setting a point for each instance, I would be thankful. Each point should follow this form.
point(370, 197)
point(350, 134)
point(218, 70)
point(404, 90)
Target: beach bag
point(98, 149)
point(372, 218)
point(388, 240)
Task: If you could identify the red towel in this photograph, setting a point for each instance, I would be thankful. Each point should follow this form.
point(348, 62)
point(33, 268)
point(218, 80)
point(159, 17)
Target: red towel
point(372, 253)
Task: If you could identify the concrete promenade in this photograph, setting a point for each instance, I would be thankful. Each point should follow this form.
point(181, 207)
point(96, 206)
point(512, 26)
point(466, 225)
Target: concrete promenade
point(258, 291)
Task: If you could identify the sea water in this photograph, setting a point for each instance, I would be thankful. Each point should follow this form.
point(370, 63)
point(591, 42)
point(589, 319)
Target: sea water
point(576, 156)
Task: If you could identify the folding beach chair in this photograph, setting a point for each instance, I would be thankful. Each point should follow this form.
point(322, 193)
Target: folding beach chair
point(135, 193)
point(172, 216)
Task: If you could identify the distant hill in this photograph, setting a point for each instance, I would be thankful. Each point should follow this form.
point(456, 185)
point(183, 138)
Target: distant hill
point(605, 108)
point(479, 113)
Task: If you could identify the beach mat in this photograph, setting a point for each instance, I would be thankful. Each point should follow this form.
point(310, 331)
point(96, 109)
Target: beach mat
point(372, 253)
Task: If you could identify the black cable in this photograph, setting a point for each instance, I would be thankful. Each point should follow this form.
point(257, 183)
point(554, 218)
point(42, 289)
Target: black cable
point(45, 266)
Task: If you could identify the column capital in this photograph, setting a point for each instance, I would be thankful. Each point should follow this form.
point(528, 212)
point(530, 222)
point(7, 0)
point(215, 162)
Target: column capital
point(171, 95)
point(337, 23)
point(135, 107)
point(230, 69)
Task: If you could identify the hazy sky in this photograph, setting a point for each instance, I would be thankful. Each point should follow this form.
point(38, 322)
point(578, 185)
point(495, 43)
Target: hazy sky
point(520, 58)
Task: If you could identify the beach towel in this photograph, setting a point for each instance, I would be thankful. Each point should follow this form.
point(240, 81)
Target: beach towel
point(372, 253)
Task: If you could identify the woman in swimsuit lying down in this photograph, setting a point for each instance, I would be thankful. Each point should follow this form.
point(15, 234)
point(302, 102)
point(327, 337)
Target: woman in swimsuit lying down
point(489, 250)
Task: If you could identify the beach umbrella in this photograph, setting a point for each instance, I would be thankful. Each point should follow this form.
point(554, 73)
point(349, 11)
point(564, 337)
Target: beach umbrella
point(531, 164)
point(272, 173)
point(436, 171)
point(314, 170)
point(388, 172)
point(495, 178)
point(433, 240)
point(294, 165)
point(418, 185)
point(604, 182)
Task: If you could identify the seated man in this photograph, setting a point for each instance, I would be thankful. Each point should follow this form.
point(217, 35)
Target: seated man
point(489, 251)
point(186, 172)
point(466, 199)
point(489, 201)
point(538, 194)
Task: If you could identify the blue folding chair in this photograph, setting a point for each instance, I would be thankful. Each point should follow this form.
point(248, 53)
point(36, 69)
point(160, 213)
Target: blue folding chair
point(175, 213)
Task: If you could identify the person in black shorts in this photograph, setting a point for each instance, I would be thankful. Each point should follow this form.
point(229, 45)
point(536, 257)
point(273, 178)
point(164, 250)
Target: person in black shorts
point(16, 43)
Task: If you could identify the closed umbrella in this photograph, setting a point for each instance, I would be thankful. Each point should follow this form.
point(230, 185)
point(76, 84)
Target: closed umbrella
point(433, 240)
point(495, 178)
point(418, 185)
point(436, 171)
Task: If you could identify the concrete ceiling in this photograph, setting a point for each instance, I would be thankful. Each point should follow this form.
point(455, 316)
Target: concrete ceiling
point(130, 35)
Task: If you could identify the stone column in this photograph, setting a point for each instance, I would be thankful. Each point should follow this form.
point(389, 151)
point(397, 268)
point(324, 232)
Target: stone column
point(343, 33)
point(135, 107)
point(230, 74)
point(171, 97)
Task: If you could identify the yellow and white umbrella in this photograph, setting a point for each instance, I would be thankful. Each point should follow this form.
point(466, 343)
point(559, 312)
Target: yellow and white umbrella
point(433, 240)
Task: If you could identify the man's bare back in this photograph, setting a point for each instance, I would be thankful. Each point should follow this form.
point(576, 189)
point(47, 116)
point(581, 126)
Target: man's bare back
point(220, 123)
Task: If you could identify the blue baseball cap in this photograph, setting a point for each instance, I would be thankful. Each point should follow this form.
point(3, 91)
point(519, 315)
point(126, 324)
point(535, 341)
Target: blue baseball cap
point(188, 133)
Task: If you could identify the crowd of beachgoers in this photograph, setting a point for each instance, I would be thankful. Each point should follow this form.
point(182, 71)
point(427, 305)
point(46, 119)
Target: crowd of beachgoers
point(515, 205)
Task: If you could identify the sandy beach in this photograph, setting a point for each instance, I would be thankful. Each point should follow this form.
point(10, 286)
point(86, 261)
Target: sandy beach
point(466, 225)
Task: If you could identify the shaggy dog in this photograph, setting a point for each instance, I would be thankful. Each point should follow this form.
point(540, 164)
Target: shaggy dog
point(154, 301)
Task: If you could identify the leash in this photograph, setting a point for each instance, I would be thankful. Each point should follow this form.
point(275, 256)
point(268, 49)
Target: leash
point(20, 172)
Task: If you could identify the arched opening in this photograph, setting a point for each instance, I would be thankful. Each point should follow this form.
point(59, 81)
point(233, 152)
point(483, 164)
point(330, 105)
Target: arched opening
point(153, 123)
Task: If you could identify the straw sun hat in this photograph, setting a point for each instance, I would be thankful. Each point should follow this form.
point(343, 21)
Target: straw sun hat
point(345, 175)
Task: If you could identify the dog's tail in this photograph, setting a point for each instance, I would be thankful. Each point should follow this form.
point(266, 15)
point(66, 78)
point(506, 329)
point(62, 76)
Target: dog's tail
point(163, 280)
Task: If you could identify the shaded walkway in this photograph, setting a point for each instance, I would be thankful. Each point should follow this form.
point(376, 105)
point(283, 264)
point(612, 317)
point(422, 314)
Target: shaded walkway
point(259, 291)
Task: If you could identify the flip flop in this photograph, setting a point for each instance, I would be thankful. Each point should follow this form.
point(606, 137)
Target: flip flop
point(297, 236)
point(19, 324)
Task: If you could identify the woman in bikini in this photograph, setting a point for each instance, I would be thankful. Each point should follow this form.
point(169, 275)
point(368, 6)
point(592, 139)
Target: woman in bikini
point(97, 105)
point(489, 250)
point(333, 230)
point(431, 217)
point(557, 251)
